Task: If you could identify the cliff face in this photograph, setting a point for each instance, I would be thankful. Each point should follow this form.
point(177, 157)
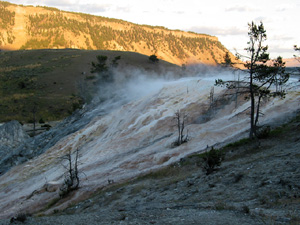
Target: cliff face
point(28, 27)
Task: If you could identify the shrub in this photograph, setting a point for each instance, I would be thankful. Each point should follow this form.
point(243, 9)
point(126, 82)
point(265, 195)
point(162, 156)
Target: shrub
point(153, 58)
point(47, 126)
point(20, 218)
point(76, 105)
point(30, 121)
point(99, 67)
point(263, 132)
point(114, 62)
point(92, 77)
point(245, 209)
point(212, 159)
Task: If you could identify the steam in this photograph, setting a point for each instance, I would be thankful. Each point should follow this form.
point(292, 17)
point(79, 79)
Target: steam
point(131, 84)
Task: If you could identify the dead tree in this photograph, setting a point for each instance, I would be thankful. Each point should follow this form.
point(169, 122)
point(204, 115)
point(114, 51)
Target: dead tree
point(34, 111)
point(180, 120)
point(211, 98)
point(71, 180)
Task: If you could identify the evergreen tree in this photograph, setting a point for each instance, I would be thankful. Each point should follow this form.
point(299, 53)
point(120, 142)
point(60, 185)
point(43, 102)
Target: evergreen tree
point(153, 58)
point(99, 67)
point(227, 60)
point(260, 76)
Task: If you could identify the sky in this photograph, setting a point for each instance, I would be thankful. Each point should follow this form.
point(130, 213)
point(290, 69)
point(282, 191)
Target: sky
point(227, 20)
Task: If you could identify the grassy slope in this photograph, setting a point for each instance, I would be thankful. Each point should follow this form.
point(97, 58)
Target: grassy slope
point(50, 79)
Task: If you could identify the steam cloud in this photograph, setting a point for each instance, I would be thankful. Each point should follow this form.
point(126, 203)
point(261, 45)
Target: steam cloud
point(130, 84)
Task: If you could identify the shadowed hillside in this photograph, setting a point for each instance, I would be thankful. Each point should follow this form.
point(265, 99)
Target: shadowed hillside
point(54, 83)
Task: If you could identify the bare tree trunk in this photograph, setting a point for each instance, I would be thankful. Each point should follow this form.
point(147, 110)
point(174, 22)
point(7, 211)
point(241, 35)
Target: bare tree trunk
point(72, 180)
point(76, 170)
point(252, 109)
point(178, 127)
point(181, 132)
point(211, 98)
point(180, 119)
point(257, 111)
point(237, 91)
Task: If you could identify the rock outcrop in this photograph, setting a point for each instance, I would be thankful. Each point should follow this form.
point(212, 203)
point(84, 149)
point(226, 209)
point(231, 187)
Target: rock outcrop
point(12, 136)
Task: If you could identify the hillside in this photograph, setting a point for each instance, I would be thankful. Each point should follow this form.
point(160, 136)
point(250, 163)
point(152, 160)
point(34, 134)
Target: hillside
point(28, 27)
point(57, 82)
point(255, 184)
point(292, 62)
point(133, 133)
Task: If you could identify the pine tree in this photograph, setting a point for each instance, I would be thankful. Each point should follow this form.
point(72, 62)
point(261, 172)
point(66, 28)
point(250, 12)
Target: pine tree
point(260, 76)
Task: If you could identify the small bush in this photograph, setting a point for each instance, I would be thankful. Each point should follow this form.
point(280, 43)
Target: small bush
point(76, 105)
point(264, 132)
point(153, 58)
point(91, 77)
point(114, 62)
point(19, 218)
point(220, 206)
point(30, 121)
point(22, 85)
point(277, 131)
point(47, 126)
point(212, 159)
point(245, 209)
point(238, 177)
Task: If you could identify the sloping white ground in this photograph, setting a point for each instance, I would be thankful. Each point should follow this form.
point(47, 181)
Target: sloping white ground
point(136, 138)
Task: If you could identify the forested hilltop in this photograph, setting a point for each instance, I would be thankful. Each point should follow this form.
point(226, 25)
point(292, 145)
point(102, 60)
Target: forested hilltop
point(29, 27)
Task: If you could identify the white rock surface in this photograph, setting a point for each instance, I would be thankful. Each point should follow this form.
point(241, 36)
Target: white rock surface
point(137, 138)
